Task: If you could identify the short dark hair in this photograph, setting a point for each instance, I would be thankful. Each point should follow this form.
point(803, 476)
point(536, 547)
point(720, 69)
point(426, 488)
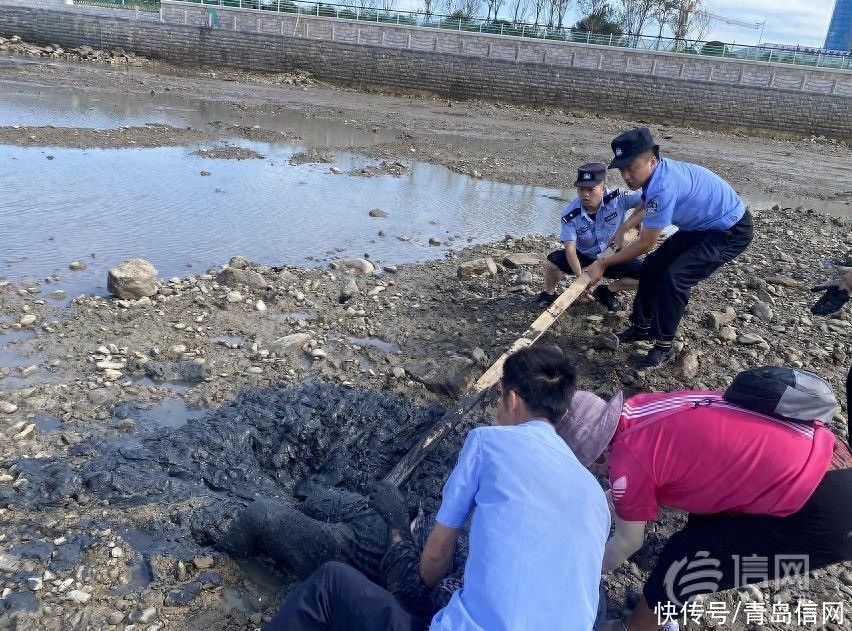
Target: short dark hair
point(543, 377)
point(649, 153)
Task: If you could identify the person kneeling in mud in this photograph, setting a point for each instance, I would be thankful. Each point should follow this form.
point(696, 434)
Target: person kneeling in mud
point(589, 223)
point(756, 468)
point(528, 567)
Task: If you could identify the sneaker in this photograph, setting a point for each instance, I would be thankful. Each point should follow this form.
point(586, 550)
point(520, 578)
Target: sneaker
point(634, 334)
point(545, 299)
point(607, 298)
point(655, 357)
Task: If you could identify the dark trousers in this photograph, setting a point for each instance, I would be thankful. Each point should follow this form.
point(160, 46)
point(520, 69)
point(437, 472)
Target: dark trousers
point(628, 269)
point(720, 547)
point(338, 597)
point(671, 271)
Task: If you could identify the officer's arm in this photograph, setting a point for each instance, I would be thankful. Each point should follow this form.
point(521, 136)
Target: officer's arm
point(571, 257)
point(628, 538)
point(437, 554)
point(646, 241)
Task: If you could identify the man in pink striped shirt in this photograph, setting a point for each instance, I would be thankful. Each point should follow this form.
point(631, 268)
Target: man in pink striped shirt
point(756, 485)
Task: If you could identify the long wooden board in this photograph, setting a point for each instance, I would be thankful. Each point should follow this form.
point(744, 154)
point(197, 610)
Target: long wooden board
point(474, 395)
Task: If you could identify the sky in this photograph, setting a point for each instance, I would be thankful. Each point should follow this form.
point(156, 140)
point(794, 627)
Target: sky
point(787, 21)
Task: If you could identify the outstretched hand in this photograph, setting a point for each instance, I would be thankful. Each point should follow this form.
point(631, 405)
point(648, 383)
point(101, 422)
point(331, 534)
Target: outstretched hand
point(389, 503)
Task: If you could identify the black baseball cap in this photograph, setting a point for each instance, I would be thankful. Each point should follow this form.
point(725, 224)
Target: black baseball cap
point(626, 146)
point(590, 175)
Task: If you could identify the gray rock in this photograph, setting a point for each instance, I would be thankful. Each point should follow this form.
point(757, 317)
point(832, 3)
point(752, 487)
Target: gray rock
point(234, 277)
point(362, 266)
point(182, 595)
point(143, 616)
point(378, 213)
point(234, 297)
point(238, 262)
point(784, 281)
point(78, 596)
point(398, 372)
point(349, 291)
point(450, 376)
point(77, 266)
point(7, 407)
point(606, 341)
point(688, 366)
point(728, 333)
point(132, 280)
point(289, 343)
point(434, 241)
point(28, 320)
point(187, 371)
point(479, 355)
point(524, 277)
point(749, 339)
point(717, 319)
point(477, 267)
point(516, 260)
point(762, 310)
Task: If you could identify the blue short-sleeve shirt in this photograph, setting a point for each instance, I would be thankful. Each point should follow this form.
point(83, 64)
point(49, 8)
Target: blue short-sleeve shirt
point(592, 233)
point(538, 528)
point(690, 197)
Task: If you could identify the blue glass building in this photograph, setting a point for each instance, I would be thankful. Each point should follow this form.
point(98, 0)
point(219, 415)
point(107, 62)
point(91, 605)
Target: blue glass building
point(840, 30)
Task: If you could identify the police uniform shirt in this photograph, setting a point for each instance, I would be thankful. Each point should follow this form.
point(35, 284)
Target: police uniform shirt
point(592, 233)
point(690, 197)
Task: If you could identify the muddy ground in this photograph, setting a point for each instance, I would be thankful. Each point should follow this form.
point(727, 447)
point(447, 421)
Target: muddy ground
point(296, 378)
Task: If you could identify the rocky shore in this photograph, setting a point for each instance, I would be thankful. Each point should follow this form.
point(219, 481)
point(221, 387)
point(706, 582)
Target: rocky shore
point(114, 504)
point(136, 426)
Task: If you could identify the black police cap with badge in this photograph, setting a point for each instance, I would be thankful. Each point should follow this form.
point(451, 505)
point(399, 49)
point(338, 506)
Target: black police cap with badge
point(626, 146)
point(590, 175)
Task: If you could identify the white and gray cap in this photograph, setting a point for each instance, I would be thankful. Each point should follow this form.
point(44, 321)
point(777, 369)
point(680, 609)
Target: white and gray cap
point(787, 392)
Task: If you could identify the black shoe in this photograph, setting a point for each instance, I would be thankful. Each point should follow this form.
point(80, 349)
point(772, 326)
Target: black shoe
point(634, 334)
point(607, 298)
point(545, 299)
point(655, 357)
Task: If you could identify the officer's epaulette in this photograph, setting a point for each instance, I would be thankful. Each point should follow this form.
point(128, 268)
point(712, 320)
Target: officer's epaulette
point(611, 196)
point(571, 215)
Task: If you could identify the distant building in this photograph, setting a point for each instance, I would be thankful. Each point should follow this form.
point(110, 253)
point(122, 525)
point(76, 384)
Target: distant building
point(839, 35)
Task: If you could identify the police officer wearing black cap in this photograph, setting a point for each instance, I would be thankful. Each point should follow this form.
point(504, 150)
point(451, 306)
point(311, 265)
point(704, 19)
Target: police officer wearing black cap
point(713, 224)
point(589, 223)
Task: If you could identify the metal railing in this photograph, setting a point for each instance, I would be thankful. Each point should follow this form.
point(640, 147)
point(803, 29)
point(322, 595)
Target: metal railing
point(767, 53)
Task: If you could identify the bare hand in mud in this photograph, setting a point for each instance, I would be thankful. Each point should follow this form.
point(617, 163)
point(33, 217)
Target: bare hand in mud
point(389, 503)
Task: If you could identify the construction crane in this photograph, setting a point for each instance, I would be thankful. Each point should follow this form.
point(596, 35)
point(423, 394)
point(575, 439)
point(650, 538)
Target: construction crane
point(692, 6)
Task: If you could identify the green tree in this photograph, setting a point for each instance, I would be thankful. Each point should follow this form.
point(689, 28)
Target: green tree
point(601, 20)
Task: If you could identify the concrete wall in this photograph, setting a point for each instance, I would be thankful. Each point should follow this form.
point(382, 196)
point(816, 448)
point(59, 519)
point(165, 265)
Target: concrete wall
point(656, 97)
point(557, 53)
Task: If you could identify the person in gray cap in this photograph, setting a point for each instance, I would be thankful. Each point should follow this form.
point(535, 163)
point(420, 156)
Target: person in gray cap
point(714, 227)
point(756, 468)
point(589, 223)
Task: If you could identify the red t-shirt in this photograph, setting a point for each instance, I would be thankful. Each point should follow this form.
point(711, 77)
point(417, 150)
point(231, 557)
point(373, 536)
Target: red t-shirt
point(693, 451)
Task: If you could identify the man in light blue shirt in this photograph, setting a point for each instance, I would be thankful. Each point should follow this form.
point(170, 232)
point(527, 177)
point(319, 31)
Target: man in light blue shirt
point(713, 224)
point(588, 225)
point(539, 521)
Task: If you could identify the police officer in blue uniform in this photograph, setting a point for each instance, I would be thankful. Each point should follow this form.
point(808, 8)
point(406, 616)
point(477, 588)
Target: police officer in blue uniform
point(589, 223)
point(713, 224)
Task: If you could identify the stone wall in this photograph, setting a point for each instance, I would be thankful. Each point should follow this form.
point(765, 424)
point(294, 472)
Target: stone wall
point(658, 98)
point(492, 46)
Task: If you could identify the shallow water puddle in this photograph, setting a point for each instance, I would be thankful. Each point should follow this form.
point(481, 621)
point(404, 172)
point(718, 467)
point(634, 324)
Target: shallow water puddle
point(167, 413)
point(25, 103)
point(103, 206)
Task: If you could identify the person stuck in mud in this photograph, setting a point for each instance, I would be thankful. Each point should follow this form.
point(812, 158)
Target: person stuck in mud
point(528, 567)
point(756, 468)
point(589, 223)
point(714, 227)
